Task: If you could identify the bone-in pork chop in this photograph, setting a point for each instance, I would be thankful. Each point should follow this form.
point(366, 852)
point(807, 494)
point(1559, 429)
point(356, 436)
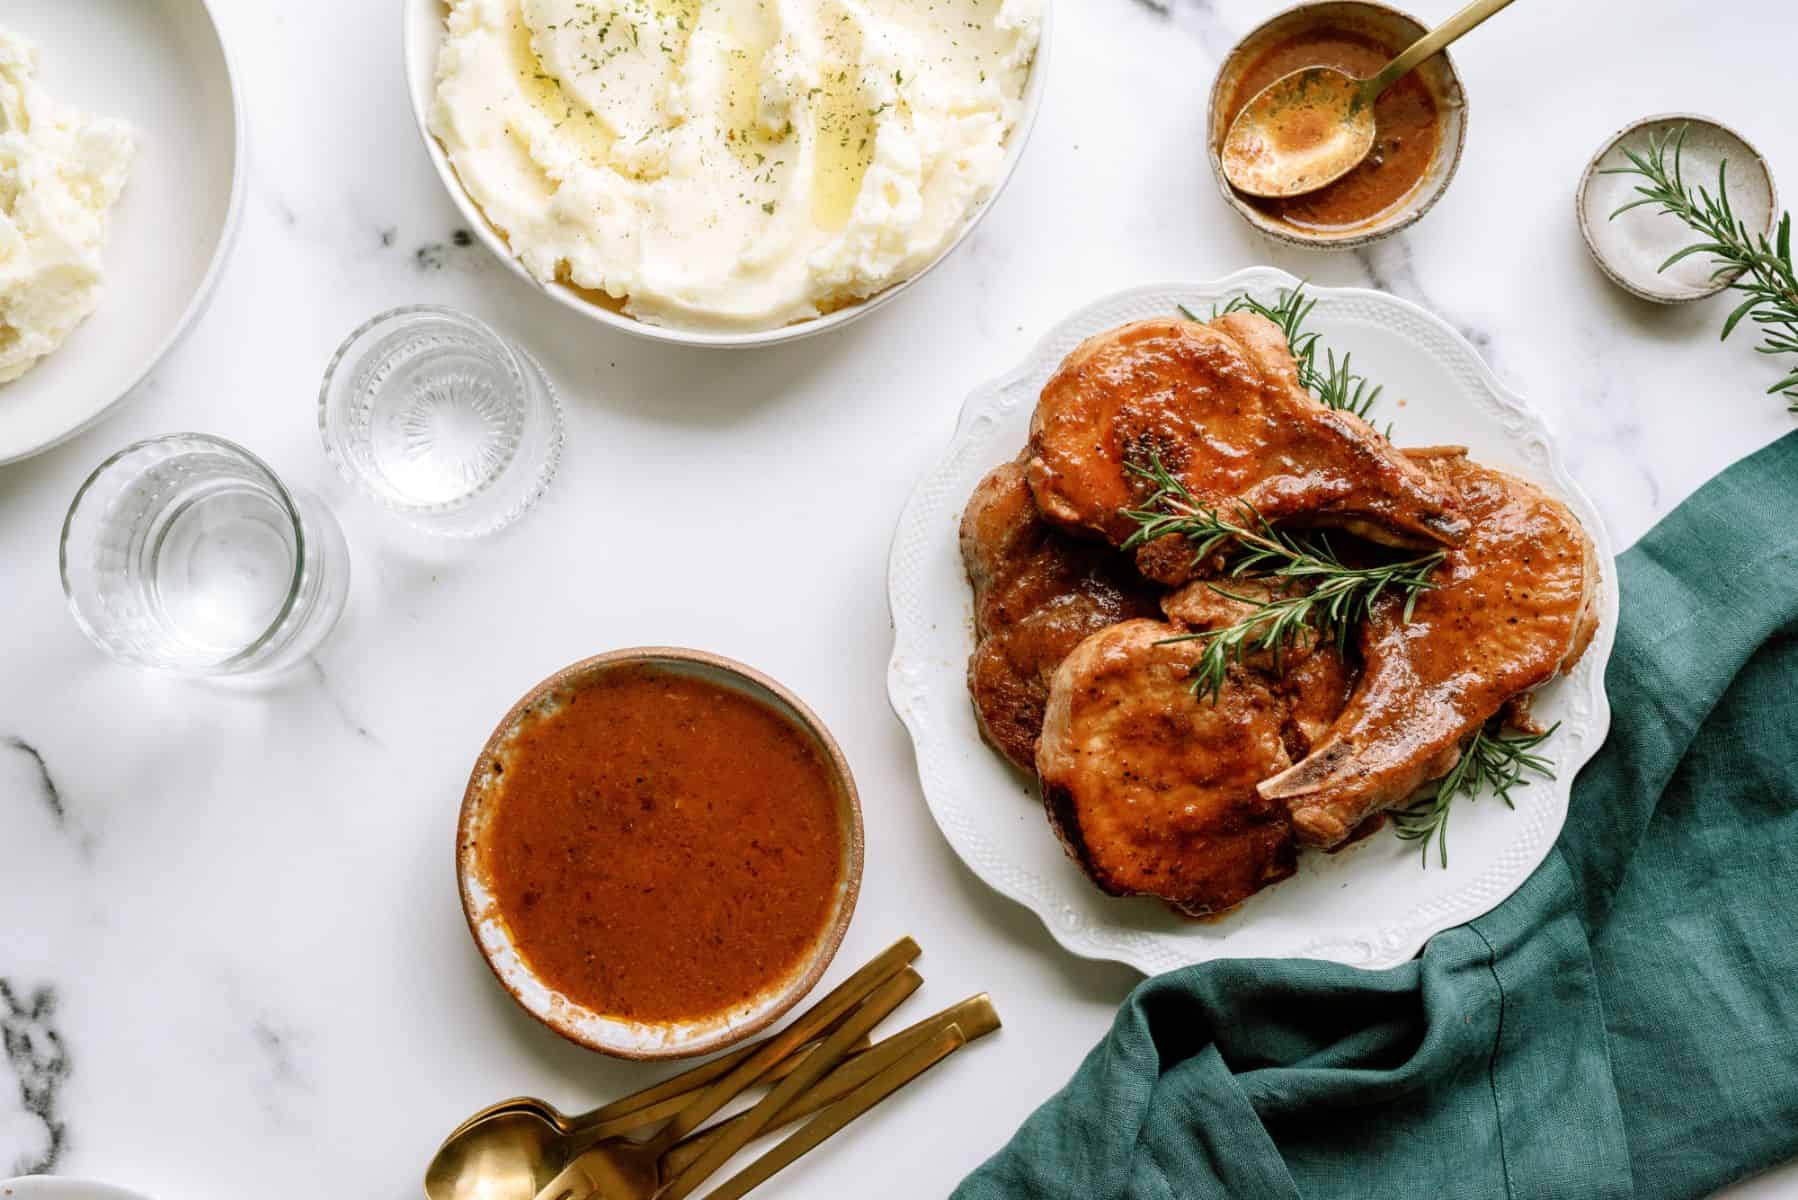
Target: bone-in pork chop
point(1515, 607)
point(1220, 405)
point(1151, 790)
point(1037, 593)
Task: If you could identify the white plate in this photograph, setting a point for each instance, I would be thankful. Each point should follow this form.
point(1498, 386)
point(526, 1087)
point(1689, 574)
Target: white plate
point(160, 65)
point(1370, 905)
point(423, 35)
point(45, 1187)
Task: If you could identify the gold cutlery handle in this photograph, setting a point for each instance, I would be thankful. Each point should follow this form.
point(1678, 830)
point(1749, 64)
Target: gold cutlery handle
point(678, 1087)
point(976, 1016)
point(615, 1120)
point(820, 1017)
point(840, 1114)
point(873, 1011)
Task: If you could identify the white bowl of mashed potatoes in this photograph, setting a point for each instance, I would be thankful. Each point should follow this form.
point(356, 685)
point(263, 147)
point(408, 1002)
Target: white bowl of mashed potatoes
point(724, 172)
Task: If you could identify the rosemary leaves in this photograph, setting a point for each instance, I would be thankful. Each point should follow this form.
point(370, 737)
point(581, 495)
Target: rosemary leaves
point(1491, 760)
point(1322, 595)
point(1761, 267)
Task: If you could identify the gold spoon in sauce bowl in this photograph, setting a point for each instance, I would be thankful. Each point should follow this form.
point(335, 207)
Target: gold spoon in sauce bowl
point(1309, 128)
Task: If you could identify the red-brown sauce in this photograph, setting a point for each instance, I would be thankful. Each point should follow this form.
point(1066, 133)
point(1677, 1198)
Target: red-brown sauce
point(660, 847)
point(1405, 127)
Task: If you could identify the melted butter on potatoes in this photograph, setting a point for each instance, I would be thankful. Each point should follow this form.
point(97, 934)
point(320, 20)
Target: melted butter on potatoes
point(731, 164)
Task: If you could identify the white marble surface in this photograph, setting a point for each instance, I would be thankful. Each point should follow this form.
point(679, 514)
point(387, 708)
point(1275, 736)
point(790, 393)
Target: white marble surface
point(232, 954)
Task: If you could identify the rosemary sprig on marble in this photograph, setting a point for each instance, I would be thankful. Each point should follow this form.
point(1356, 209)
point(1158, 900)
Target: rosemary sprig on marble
point(1493, 761)
point(1332, 381)
point(1321, 595)
point(1766, 277)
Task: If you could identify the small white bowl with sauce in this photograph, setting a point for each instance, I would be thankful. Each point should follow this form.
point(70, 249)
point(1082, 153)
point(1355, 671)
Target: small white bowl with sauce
point(1391, 31)
point(507, 945)
point(422, 36)
point(1631, 249)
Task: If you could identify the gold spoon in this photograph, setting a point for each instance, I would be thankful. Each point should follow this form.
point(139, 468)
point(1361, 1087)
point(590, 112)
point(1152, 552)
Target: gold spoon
point(636, 1111)
point(527, 1135)
point(1308, 129)
point(618, 1169)
point(511, 1151)
point(844, 1094)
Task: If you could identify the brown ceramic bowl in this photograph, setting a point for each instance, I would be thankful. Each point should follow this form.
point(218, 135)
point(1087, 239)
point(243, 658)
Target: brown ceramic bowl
point(1394, 28)
point(618, 1036)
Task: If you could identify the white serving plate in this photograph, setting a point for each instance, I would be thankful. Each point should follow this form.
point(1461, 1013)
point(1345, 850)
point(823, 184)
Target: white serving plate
point(1372, 904)
point(161, 65)
point(423, 35)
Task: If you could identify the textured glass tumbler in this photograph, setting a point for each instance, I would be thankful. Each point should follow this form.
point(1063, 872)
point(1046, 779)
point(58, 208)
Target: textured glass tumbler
point(186, 554)
point(441, 420)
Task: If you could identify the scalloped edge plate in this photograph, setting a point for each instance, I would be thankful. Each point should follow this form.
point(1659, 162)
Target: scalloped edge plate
point(1369, 905)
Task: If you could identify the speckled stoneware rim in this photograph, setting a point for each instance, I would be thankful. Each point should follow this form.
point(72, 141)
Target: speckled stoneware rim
point(30, 1187)
point(1591, 173)
point(420, 37)
point(633, 1039)
point(1452, 110)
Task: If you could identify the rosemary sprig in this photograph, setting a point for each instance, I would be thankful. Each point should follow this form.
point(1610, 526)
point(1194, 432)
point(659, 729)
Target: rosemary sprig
point(1492, 760)
point(1332, 381)
point(1327, 597)
point(1766, 277)
point(1322, 596)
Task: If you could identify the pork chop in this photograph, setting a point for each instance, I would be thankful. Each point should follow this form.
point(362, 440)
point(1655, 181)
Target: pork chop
point(1037, 594)
point(1151, 790)
point(1515, 607)
point(1310, 677)
point(1221, 407)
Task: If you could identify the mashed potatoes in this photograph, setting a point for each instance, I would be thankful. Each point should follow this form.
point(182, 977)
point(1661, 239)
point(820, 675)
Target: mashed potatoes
point(61, 172)
point(731, 164)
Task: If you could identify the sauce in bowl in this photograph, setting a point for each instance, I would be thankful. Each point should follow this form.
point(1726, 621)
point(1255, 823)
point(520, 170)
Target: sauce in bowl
point(1405, 127)
point(660, 847)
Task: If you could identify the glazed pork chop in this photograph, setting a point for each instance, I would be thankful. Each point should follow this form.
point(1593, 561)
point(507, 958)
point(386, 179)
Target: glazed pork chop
point(1221, 406)
point(1311, 678)
point(1037, 594)
point(1516, 607)
point(1151, 791)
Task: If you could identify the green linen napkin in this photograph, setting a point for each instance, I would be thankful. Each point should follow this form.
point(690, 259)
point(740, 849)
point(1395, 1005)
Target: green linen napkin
point(1626, 1024)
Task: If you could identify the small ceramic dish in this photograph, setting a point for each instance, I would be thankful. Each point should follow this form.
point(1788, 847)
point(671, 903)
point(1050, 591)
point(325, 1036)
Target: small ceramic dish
point(614, 1035)
point(55, 1187)
point(423, 35)
point(1390, 27)
point(1632, 248)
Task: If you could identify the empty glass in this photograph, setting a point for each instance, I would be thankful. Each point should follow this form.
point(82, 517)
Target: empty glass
point(441, 420)
point(186, 554)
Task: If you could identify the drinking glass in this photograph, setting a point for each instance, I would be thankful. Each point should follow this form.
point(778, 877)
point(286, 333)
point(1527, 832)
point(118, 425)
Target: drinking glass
point(187, 554)
point(441, 420)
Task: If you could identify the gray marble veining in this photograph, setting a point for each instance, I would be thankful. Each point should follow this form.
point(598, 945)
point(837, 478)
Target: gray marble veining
point(32, 1130)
